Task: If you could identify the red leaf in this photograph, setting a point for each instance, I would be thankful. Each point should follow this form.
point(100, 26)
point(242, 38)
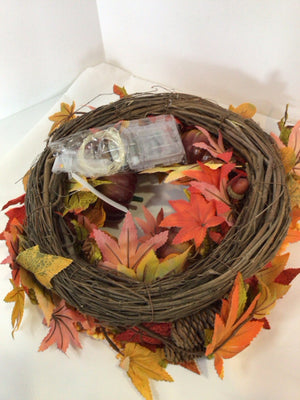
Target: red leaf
point(287, 275)
point(192, 366)
point(17, 200)
point(137, 335)
point(193, 217)
point(62, 328)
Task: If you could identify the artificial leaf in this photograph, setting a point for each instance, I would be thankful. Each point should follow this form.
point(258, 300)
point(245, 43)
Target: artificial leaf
point(66, 113)
point(216, 149)
point(43, 266)
point(96, 214)
point(192, 366)
point(138, 335)
point(151, 268)
point(269, 289)
point(141, 364)
point(127, 251)
point(151, 225)
point(17, 200)
point(120, 91)
point(79, 201)
point(194, 217)
point(233, 329)
point(287, 275)
point(246, 110)
point(63, 328)
point(17, 296)
point(43, 297)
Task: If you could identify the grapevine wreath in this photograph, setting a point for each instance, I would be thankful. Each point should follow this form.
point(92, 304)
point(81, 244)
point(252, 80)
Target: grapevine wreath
point(166, 288)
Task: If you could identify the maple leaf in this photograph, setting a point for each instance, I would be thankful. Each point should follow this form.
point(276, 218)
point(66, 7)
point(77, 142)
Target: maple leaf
point(127, 251)
point(151, 268)
point(233, 329)
point(17, 296)
point(66, 113)
point(137, 335)
point(43, 266)
point(151, 225)
point(216, 149)
point(120, 91)
point(16, 215)
point(42, 296)
point(246, 110)
point(62, 328)
point(194, 217)
point(141, 364)
point(79, 201)
point(269, 288)
point(291, 152)
point(192, 366)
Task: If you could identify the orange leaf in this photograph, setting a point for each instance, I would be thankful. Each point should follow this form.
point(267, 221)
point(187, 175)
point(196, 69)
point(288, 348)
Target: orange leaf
point(66, 113)
point(62, 328)
point(192, 366)
point(246, 110)
point(17, 296)
point(233, 330)
point(141, 364)
point(120, 91)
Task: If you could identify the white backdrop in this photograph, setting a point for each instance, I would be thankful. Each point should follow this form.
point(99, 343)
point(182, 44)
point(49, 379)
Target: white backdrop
point(230, 51)
point(44, 45)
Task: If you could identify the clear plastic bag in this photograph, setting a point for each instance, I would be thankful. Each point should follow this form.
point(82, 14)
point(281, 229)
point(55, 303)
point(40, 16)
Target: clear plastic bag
point(133, 145)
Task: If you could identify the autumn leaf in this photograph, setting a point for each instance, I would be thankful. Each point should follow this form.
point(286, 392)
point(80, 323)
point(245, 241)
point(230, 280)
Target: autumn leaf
point(79, 201)
point(270, 290)
point(137, 335)
point(192, 366)
point(127, 251)
point(150, 226)
point(62, 328)
point(233, 329)
point(216, 149)
point(141, 364)
point(246, 110)
point(16, 215)
point(194, 217)
point(120, 91)
point(42, 296)
point(43, 266)
point(66, 113)
point(17, 296)
point(96, 214)
point(294, 191)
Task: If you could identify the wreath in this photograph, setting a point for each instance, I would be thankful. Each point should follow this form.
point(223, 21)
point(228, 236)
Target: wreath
point(160, 289)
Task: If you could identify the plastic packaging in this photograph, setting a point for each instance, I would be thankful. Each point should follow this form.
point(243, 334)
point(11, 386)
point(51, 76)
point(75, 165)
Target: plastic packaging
point(133, 145)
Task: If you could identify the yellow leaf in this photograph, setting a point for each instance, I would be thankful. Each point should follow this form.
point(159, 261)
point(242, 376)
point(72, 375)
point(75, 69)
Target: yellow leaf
point(17, 296)
point(66, 113)
point(288, 157)
point(141, 364)
point(150, 268)
point(43, 266)
point(42, 296)
point(26, 179)
point(268, 274)
point(246, 110)
point(79, 201)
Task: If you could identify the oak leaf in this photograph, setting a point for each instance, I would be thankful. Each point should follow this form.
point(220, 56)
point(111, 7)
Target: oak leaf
point(127, 251)
point(246, 110)
point(63, 328)
point(141, 364)
point(66, 113)
point(43, 266)
point(233, 329)
point(17, 296)
point(194, 217)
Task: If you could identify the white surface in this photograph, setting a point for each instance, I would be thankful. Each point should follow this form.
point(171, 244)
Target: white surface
point(268, 369)
point(223, 50)
point(44, 46)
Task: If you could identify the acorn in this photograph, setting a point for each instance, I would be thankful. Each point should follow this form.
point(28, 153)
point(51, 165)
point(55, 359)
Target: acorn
point(194, 154)
point(121, 189)
point(238, 187)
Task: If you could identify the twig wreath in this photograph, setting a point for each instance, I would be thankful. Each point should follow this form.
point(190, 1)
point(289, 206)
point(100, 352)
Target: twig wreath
point(199, 281)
